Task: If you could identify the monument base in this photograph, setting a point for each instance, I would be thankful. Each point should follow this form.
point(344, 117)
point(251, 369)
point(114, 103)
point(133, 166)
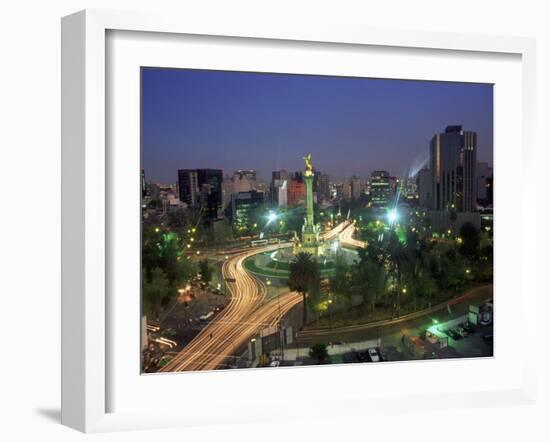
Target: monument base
point(310, 243)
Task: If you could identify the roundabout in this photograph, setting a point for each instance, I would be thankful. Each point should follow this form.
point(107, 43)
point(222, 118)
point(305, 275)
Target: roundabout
point(275, 264)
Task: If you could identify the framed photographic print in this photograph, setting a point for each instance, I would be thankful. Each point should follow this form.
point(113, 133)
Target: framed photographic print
point(250, 208)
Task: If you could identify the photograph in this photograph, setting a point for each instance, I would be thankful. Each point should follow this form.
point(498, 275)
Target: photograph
point(302, 220)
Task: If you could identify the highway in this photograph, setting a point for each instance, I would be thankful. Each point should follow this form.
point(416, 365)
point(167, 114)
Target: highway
point(245, 315)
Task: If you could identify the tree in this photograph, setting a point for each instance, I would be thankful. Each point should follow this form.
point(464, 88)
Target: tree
point(340, 282)
point(205, 270)
point(319, 352)
point(155, 290)
point(304, 277)
point(470, 241)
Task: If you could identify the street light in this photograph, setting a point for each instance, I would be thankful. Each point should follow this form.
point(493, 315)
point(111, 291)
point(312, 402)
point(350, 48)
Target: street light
point(272, 216)
point(392, 216)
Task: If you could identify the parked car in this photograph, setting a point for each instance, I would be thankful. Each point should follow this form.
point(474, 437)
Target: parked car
point(373, 355)
point(486, 317)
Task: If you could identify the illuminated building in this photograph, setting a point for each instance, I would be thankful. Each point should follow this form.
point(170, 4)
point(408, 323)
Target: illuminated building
point(380, 188)
point(245, 207)
point(453, 166)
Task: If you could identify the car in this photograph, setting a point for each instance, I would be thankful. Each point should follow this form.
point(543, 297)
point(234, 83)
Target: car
point(486, 318)
point(206, 317)
point(373, 355)
point(275, 363)
point(219, 307)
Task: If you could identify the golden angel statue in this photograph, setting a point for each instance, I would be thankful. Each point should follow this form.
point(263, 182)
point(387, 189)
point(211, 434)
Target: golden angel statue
point(309, 167)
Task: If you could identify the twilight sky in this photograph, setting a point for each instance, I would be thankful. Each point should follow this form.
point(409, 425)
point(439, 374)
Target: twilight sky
point(352, 126)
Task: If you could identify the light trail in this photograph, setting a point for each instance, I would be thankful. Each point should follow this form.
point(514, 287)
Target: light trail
point(246, 314)
point(346, 237)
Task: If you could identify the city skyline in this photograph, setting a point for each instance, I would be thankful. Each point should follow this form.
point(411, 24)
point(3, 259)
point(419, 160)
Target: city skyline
point(200, 119)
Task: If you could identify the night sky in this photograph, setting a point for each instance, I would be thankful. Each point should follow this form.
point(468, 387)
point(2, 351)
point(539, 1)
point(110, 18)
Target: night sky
point(352, 126)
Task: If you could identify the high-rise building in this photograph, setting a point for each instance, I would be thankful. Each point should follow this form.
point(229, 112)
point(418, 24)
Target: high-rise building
point(279, 193)
point(484, 174)
point(188, 187)
point(278, 188)
point(323, 190)
point(424, 186)
point(380, 188)
point(453, 166)
point(245, 207)
point(227, 191)
point(279, 175)
point(355, 187)
point(202, 188)
point(296, 190)
point(244, 181)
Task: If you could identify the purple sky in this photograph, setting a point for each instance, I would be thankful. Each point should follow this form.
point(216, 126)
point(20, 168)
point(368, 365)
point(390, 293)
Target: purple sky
point(352, 126)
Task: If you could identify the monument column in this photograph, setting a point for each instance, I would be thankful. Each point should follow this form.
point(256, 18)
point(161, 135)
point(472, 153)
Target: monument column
point(308, 178)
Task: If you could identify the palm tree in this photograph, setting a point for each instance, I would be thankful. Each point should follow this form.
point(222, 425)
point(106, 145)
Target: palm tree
point(304, 277)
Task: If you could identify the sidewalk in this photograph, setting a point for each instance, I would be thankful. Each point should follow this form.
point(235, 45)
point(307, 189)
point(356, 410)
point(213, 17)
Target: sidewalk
point(293, 354)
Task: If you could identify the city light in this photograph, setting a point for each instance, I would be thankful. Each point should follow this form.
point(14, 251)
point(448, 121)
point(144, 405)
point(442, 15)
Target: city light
point(392, 216)
point(272, 217)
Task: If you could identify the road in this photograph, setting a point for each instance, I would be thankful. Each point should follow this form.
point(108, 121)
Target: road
point(346, 237)
point(408, 324)
point(246, 314)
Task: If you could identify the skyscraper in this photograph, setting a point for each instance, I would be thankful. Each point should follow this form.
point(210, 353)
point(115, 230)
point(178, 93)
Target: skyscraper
point(453, 166)
point(424, 185)
point(380, 188)
point(355, 185)
point(202, 188)
point(188, 187)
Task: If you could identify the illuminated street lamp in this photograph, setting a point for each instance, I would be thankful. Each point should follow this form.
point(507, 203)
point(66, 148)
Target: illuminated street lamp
point(392, 216)
point(272, 217)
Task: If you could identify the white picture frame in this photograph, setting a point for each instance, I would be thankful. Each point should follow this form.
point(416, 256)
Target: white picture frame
point(85, 201)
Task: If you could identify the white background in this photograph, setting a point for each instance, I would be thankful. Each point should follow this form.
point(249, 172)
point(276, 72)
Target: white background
point(132, 392)
point(30, 216)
